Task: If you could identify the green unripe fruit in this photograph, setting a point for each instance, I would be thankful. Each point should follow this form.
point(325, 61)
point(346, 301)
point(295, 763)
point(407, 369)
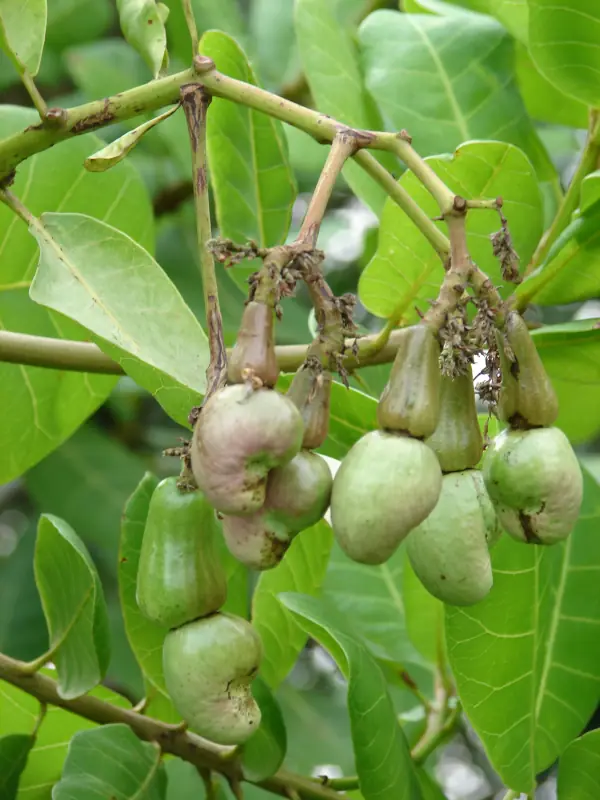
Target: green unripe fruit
point(385, 487)
point(310, 391)
point(449, 550)
point(457, 440)
point(527, 397)
point(180, 576)
point(535, 482)
point(254, 351)
point(410, 402)
point(297, 496)
point(209, 666)
point(240, 436)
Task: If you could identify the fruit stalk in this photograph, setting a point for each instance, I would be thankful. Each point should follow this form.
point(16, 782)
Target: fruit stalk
point(195, 101)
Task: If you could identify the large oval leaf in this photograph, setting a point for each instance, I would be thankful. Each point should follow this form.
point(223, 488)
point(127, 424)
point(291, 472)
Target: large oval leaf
point(102, 279)
point(22, 32)
point(571, 357)
point(42, 407)
point(19, 714)
point(385, 768)
point(253, 184)
point(405, 270)
point(143, 25)
point(110, 761)
point(527, 659)
point(330, 60)
point(74, 607)
point(302, 569)
point(372, 598)
point(571, 271)
point(447, 81)
point(564, 41)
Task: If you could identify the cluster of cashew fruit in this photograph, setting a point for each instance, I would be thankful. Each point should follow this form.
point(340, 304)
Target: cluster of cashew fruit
point(258, 483)
point(418, 479)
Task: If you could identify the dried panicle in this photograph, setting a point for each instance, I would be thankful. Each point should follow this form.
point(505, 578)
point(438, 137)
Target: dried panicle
point(505, 252)
point(227, 252)
point(459, 346)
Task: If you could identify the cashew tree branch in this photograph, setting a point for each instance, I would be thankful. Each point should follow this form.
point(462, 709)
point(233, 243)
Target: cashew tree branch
point(171, 738)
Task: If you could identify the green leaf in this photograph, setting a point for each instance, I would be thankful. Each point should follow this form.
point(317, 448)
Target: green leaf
point(145, 637)
point(590, 190)
point(22, 32)
point(372, 598)
point(14, 750)
point(302, 569)
point(542, 99)
point(275, 48)
point(579, 769)
point(405, 270)
point(330, 60)
point(564, 42)
point(571, 271)
point(111, 762)
point(143, 25)
point(253, 184)
point(383, 763)
point(43, 407)
point(19, 713)
point(447, 82)
point(424, 615)
point(116, 151)
point(102, 279)
point(571, 356)
point(74, 607)
point(513, 14)
point(263, 753)
point(527, 659)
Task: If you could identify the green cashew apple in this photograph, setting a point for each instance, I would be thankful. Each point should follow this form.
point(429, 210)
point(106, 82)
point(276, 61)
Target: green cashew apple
point(180, 576)
point(209, 666)
point(449, 550)
point(239, 437)
point(298, 495)
point(310, 390)
point(386, 486)
point(527, 398)
point(535, 482)
point(254, 352)
point(410, 402)
point(457, 440)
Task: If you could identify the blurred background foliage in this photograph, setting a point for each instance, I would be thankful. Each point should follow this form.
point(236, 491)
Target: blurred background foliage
point(88, 479)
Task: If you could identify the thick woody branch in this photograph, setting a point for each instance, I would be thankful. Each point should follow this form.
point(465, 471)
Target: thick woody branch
point(171, 739)
point(64, 354)
point(195, 102)
point(62, 124)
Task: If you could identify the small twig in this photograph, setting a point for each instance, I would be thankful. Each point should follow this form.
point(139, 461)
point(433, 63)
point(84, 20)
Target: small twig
point(190, 21)
point(344, 145)
point(348, 784)
point(412, 686)
point(33, 92)
point(441, 721)
point(195, 102)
